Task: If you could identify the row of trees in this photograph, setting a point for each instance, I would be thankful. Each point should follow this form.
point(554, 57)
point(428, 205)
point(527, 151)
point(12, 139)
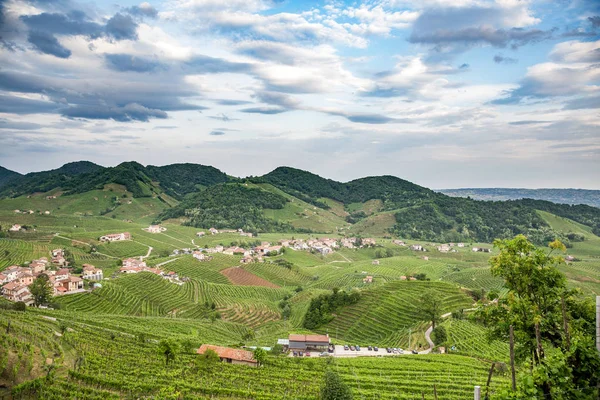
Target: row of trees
point(321, 307)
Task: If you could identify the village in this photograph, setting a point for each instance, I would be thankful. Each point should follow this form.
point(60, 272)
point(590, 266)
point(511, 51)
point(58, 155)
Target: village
point(15, 280)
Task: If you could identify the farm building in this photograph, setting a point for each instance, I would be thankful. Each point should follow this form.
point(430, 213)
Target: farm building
point(231, 356)
point(309, 342)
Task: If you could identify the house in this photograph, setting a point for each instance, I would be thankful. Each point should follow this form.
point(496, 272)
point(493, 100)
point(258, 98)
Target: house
point(273, 249)
point(403, 278)
point(425, 258)
point(24, 278)
point(200, 234)
point(155, 229)
point(3, 279)
point(11, 273)
point(284, 243)
point(231, 356)
point(247, 234)
point(15, 228)
point(216, 249)
point(234, 250)
point(375, 262)
point(37, 266)
point(92, 273)
point(461, 245)
point(417, 247)
point(308, 342)
point(368, 279)
point(213, 231)
point(69, 284)
point(368, 242)
point(58, 253)
point(59, 260)
point(14, 291)
point(348, 243)
point(47, 212)
point(133, 262)
point(443, 248)
point(198, 255)
point(399, 242)
point(61, 274)
point(482, 250)
point(569, 258)
point(17, 211)
point(247, 259)
point(113, 237)
point(330, 242)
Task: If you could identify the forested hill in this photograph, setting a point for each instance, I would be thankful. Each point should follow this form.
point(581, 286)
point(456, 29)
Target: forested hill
point(7, 175)
point(177, 180)
point(561, 196)
point(393, 191)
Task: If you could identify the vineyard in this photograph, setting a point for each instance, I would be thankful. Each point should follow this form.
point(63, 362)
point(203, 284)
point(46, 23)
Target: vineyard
point(16, 252)
point(103, 361)
point(384, 315)
point(239, 276)
point(469, 339)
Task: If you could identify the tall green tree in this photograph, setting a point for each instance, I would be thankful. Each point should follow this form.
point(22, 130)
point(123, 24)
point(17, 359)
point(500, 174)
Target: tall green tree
point(553, 325)
point(168, 349)
point(431, 306)
point(260, 355)
point(334, 388)
point(41, 290)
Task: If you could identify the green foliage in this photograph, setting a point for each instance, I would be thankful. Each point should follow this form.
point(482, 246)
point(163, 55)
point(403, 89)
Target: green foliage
point(431, 306)
point(320, 309)
point(334, 388)
point(260, 355)
point(41, 290)
point(557, 362)
point(439, 335)
point(230, 206)
point(169, 349)
point(7, 175)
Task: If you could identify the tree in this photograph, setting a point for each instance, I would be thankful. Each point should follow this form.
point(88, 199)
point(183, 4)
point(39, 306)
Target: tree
point(334, 388)
point(207, 361)
point(169, 349)
point(260, 355)
point(439, 335)
point(41, 290)
point(553, 325)
point(431, 306)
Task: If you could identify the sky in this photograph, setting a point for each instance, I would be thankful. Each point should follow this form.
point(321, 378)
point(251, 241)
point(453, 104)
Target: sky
point(444, 93)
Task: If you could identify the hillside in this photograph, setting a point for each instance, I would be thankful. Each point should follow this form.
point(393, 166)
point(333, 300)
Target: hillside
point(6, 175)
point(561, 196)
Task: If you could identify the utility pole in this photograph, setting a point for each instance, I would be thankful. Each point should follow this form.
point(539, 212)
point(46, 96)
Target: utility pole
point(598, 323)
point(409, 333)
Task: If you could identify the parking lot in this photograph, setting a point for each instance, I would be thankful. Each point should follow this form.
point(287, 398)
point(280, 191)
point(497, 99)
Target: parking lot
point(363, 352)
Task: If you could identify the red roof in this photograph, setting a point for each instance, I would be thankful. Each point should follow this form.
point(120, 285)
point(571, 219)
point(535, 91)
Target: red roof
point(228, 352)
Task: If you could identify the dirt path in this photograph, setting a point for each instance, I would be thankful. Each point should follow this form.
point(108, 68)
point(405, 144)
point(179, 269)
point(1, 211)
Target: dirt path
point(166, 262)
point(428, 336)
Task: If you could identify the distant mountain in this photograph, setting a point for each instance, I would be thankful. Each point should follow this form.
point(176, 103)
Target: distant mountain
point(561, 196)
point(177, 180)
point(6, 175)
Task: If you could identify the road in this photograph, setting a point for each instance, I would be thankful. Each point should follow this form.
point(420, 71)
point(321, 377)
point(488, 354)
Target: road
point(166, 262)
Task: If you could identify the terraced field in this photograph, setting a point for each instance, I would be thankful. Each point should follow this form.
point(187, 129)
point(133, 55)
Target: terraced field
point(385, 314)
point(470, 339)
point(116, 343)
point(239, 276)
point(16, 252)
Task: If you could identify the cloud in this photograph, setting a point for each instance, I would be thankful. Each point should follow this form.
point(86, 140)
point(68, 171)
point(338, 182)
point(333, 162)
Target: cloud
point(17, 125)
point(223, 117)
point(216, 133)
point(576, 52)
point(500, 59)
point(143, 10)
point(130, 112)
point(75, 23)
point(22, 105)
point(592, 102)
point(528, 122)
point(128, 62)
point(264, 110)
point(122, 27)
point(232, 102)
point(595, 20)
point(278, 99)
point(48, 44)
point(201, 64)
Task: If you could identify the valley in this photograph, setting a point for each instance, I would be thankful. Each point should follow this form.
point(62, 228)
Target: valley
point(278, 243)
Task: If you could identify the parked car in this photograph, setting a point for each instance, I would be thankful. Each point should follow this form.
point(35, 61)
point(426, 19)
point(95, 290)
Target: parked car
point(307, 354)
point(400, 351)
point(346, 347)
point(352, 348)
point(324, 354)
point(331, 348)
point(395, 350)
point(357, 348)
point(388, 349)
point(375, 348)
point(370, 348)
point(415, 352)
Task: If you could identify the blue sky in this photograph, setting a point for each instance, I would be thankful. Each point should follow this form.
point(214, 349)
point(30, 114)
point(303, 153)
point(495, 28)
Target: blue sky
point(445, 93)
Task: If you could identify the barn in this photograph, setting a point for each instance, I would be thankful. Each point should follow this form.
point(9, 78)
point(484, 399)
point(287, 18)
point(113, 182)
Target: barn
point(309, 342)
point(230, 356)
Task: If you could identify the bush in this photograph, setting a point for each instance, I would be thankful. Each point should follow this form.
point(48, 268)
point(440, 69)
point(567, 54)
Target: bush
point(439, 335)
point(19, 306)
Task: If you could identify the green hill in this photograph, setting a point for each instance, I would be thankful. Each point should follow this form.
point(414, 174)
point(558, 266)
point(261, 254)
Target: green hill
point(6, 175)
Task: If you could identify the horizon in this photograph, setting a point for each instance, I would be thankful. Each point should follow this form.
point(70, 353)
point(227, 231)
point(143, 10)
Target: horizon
point(468, 94)
point(307, 170)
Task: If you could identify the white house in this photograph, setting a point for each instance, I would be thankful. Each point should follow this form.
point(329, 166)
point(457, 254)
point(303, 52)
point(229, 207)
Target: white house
point(92, 273)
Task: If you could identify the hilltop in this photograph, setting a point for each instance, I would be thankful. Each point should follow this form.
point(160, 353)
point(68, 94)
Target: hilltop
point(6, 175)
